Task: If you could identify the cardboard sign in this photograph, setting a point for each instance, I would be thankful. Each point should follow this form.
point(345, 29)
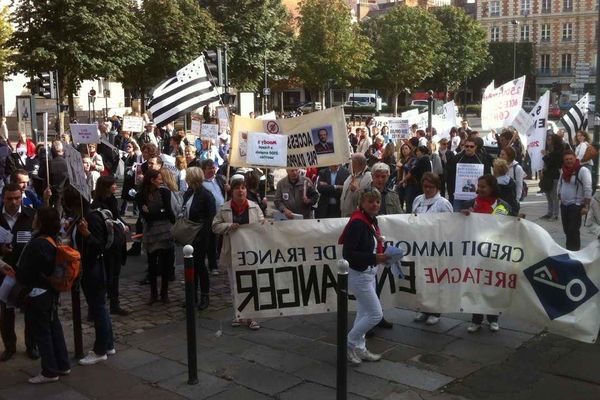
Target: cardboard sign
point(267, 150)
point(196, 128)
point(466, 180)
point(399, 128)
point(133, 124)
point(77, 177)
point(536, 135)
point(223, 117)
point(209, 132)
point(85, 133)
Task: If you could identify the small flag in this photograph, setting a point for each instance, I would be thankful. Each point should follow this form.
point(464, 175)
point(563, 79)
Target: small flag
point(576, 119)
point(188, 90)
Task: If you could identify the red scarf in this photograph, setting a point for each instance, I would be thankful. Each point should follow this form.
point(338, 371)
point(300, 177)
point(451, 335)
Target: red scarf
point(568, 172)
point(371, 222)
point(483, 205)
point(239, 209)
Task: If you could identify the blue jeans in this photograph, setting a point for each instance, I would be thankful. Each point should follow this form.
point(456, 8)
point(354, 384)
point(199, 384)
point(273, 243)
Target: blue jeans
point(93, 283)
point(41, 315)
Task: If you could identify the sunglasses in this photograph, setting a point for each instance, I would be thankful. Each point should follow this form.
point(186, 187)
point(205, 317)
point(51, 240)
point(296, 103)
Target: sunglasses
point(469, 146)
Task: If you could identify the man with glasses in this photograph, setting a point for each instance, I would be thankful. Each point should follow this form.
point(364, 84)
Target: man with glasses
point(467, 156)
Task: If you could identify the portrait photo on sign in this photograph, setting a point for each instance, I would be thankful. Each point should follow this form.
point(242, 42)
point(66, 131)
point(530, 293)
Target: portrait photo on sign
point(323, 139)
point(243, 145)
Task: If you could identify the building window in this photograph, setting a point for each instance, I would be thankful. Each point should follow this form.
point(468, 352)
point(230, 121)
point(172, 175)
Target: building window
point(524, 33)
point(567, 5)
point(495, 34)
point(565, 63)
point(545, 64)
point(495, 8)
point(567, 31)
point(525, 7)
point(545, 33)
point(546, 6)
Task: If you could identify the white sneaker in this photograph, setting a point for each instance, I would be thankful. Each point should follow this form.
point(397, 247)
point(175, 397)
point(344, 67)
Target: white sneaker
point(494, 327)
point(421, 317)
point(42, 379)
point(214, 272)
point(473, 328)
point(366, 355)
point(65, 372)
point(92, 358)
point(352, 357)
point(432, 320)
point(111, 352)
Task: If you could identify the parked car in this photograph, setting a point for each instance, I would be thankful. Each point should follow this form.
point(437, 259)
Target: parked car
point(310, 106)
point(356, 104)
point(554, 112)
point(422, 105)
point(528, 105)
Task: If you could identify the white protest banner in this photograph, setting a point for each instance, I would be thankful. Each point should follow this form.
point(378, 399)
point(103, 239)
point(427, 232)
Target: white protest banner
point(268, 116)
point(267, 150)
point(521, 123)
point(196, 127)
point(454, 263)
point(446, 121)
point(422, 120)
point(85, 133)
point(223, 117)
point(77, 177)
point(209, 132)
point(316, 139)
point(466, 180)
point(399, 128)
point(411, 114)
point(133, 124)
point(536, 135)
point(380, 122)
point(500, 106)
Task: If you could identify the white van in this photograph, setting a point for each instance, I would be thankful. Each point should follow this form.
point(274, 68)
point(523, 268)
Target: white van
point(363, 98)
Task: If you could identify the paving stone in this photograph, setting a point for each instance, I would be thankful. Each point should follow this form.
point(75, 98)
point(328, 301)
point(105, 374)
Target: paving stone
point(26, 391)
point(159, 370)
point(218, 363)
point(145, 392)
point(406, 318)
point(364, 385)
point(406, 374)
point(239, 393)
point(580, 365)
point(313, 391)
point(447, 365)
point(506, 338)
point(401, 352)
point(276, 339)
point(161, 345)
point(520, 325)
point(478, 352)
point(276, 359)
point(131, 358)
point(99, 380)
point(318, 351)
point(263, 380)
point(279, 324)
point(416, 338)
point(310, 330)
point(207, 386)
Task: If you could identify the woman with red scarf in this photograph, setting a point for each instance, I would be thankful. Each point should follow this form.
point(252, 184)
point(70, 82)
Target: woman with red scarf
point(363, 249)
point(487, 202)
point(232, 214)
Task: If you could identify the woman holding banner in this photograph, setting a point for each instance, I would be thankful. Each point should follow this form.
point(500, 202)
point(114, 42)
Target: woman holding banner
point(232, 214)
point(363, 249)
point(487, 202)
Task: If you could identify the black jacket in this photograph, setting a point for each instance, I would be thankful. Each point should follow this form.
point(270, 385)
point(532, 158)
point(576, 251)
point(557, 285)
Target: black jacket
point(359, 245)
point(36, 264)
point(92, 247)
point(462, 158)
point(59, 173)
point(165, 212)
point(203, 207)
point(24, 225)
point(552, 164)
point(329, 191)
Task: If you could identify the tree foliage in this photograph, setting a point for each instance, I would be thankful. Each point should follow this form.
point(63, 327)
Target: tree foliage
point(254, 30)
point(81, 39)
point(407, 48)
point(5, 32)
point(464, 47)
point(329, 46)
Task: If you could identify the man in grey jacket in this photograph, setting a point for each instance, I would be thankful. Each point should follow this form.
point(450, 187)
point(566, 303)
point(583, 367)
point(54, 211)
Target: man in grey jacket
point(295, 195)
point(359, 180)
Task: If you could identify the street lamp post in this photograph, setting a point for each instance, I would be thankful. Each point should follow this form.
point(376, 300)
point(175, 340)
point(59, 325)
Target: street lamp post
point(429, 109)
point(515, 23)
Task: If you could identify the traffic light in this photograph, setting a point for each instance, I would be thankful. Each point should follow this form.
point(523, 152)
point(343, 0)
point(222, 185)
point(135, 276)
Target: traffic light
point(214, 62)
point(46, 85)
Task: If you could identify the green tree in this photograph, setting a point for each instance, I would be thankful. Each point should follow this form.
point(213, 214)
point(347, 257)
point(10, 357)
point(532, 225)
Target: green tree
point(81, 39)
point(329, 46)
point(255, 31)
point(5, 32)
point(407, 46)
point(464, 47)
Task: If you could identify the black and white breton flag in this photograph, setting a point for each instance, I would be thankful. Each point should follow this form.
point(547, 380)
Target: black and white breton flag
point(576, 119)
point(188, 90)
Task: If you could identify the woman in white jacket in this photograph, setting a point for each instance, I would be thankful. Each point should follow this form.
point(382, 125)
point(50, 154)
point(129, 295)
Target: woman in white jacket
point(232, 214)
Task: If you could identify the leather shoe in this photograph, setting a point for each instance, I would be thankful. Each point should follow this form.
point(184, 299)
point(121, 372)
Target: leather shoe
point(33, 353)
point(204, 303)
point(119, 311)
point(7, 355)
point(385, 324)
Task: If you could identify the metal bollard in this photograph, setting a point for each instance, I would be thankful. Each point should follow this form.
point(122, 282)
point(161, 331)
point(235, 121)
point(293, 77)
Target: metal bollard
point(76, 316)
point(190, 316)
point(342, 330)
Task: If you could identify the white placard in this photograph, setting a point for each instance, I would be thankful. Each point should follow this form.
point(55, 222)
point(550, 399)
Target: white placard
point(399, 128)
point(132, 123)
point(223, 117)
point(521, 123)
point(267, 150)
point(501, 105)
point(196, 127)
point(466, 180)
point(85, 133)
point(536, 135)
point(209, 132)
point(268, 116)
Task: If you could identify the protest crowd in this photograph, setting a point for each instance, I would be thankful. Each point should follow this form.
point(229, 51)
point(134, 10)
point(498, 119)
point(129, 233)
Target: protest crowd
point(63, 208)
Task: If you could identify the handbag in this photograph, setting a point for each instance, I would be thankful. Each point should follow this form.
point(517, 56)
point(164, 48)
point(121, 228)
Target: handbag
point(590, 153)
point(185, 231)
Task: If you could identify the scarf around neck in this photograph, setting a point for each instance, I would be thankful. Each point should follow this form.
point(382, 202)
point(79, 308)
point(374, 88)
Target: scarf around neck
point(360, 215)
point(484, 205)
point(568, 172)
point(239, 209)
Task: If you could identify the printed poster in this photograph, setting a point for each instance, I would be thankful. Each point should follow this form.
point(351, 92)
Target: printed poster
point(267, 150)
point(466, 180)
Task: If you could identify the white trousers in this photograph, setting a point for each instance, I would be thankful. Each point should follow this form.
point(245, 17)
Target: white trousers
point(368, 306)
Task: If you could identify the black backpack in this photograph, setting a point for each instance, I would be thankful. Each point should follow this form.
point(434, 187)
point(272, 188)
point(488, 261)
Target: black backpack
point(508, 193)
point(115, 231)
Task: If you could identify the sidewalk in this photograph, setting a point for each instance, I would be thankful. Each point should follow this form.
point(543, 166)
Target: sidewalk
point(294, 358)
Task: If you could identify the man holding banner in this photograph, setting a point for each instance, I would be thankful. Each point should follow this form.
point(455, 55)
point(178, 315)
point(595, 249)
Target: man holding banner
point(295, 195)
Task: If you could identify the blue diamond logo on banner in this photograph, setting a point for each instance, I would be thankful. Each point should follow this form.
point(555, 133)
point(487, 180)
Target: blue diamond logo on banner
point(561, 284)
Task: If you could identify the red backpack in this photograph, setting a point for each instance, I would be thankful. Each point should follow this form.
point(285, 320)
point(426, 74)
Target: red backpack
point(67, 266)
